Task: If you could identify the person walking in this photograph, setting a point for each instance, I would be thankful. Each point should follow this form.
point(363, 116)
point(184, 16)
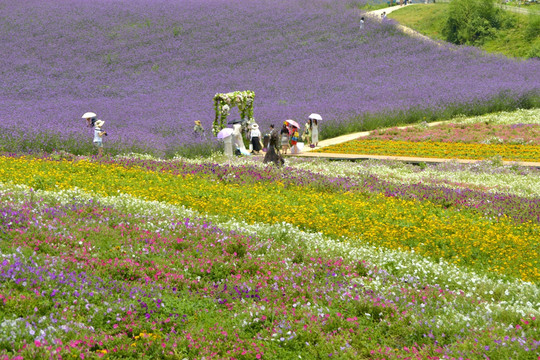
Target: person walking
point(284, 135)
point(98, 136)
point(306, 136)
point(314, 133)
point(361, 23)
point(267, 136)
point(295, 137)
point(272, 154)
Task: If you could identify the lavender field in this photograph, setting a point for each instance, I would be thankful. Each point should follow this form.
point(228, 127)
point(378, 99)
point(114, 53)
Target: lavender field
point(150, 68)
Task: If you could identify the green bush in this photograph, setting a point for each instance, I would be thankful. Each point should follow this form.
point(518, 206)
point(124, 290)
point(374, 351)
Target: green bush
point(471, 22)
point(533, 27)
point(535, 50)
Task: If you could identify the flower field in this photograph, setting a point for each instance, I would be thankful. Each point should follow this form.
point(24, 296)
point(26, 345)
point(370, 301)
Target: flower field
point(134, 257)
point(146, 253)
point(478, 138)
point(152, 70)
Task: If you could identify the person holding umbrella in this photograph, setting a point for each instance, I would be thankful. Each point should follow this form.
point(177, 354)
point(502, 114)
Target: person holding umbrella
point(315, 118)
point(295, 137)
point(90, 118)
point(226, 135)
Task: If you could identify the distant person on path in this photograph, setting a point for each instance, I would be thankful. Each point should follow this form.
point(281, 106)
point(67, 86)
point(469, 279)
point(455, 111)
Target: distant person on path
point(255, 138)
point(383, 15)
point(198, 129)
point(306, 137)
point(284, 135)
point(314, 133)
point(295, 137)
point(361, 23)
point(98, 136)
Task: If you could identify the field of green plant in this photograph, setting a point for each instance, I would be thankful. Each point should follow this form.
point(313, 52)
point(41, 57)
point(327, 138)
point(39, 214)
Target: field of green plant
point(142, 258)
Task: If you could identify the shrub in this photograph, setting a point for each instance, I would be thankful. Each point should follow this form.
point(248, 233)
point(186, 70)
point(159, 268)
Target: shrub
point(534, 52)
point(533, 27)
point(471, 22)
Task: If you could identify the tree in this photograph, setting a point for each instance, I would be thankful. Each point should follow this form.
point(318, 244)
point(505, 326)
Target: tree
point(470, 22)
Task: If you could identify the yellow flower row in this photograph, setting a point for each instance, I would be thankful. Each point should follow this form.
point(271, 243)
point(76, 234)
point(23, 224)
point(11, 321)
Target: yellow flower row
point(503, 246)
point(437, 149)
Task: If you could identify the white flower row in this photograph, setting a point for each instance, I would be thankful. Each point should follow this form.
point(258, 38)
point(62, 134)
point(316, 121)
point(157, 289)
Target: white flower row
point(496, 294)
point(466, 176)
point(489, 177)
point(520, 116)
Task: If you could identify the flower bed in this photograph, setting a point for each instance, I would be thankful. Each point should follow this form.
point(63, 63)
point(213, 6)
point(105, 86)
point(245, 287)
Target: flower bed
point(482, 133)
point(90, 276)
point(394, 222)
point(511, 136)
point(441, 150)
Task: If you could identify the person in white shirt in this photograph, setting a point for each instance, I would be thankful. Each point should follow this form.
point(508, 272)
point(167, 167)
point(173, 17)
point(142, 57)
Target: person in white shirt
point(255, 135)
point(98, 136)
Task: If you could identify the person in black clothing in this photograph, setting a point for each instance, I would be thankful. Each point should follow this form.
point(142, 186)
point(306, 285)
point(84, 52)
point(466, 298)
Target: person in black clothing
point(273, 155)
point(266, 139)
point(284, 138)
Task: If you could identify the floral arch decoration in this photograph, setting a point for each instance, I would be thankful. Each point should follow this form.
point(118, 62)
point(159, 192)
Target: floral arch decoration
point(224, 102)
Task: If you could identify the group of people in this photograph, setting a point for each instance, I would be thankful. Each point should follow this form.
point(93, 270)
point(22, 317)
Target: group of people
point(274, 143)
point(290, 136)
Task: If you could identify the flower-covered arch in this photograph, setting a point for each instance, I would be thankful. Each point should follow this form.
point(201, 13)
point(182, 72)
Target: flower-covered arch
point(224, 102)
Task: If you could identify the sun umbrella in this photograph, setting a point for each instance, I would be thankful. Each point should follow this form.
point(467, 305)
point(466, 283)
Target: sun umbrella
point(224, 133)
point(292, 123)
point(237, 121)
point(88, 115)
point(315, 117)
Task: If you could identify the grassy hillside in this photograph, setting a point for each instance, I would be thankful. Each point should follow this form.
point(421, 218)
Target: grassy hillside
point(430, 19)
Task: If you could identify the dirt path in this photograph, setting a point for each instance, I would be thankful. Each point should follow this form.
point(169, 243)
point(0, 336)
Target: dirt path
point(377, 16)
